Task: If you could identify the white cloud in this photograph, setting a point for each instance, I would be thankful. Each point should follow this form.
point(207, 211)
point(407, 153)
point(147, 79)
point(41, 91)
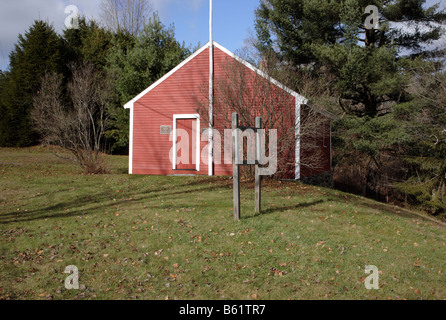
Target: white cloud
point(90, 8)
point(163, 7)
point(16, 16)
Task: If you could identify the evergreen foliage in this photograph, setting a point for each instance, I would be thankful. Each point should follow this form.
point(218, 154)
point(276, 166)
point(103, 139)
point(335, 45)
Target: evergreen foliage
point(38, 51)
point(137, 64)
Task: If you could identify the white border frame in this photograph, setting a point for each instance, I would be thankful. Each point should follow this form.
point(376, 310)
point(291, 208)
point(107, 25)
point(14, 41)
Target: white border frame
point(197, 143)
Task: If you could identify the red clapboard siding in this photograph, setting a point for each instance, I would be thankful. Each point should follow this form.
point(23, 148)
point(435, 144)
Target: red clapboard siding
point(177, 94)
point(224, 65)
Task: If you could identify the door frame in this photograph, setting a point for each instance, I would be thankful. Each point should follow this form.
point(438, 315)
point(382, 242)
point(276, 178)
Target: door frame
point(197, 143)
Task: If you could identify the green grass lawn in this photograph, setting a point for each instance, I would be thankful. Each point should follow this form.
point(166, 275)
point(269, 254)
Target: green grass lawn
point(152, 237)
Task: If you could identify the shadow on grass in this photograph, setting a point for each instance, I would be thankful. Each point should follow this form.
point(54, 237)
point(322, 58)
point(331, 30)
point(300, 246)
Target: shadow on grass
point(392, 210)
point(106, 199)
point(282, 209)
point(65, 209)
point(89, 202)
point(120, 170)
point(384, 208)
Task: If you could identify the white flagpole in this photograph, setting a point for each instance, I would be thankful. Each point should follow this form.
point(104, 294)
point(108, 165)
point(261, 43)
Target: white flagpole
point(211, 94)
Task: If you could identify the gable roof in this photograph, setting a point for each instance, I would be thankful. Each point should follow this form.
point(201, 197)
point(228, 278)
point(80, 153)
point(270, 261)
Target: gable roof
point(299, 98)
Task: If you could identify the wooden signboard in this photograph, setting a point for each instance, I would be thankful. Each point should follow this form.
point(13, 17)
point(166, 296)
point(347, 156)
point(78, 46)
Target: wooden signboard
point(236, 163)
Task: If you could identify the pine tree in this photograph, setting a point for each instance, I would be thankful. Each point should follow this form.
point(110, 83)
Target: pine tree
point(334, 34)
point(424, 155)
point(3, 111)
point(37, 51)
point(88, 43)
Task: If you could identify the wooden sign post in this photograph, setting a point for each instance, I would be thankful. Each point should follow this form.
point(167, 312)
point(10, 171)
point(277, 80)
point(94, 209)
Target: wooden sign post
point(235, 166)
point(236, 162)
point(258, 177)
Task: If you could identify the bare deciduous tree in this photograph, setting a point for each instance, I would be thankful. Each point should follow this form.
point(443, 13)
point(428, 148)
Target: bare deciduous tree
point(77, 126)
point(125, 15)
point(250, 94)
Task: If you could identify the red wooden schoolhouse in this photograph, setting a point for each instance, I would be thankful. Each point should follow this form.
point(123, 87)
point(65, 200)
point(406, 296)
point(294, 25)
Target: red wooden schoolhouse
point(170, 104)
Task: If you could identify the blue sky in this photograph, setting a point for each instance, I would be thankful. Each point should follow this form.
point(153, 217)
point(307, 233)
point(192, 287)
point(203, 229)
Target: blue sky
point(233, 19)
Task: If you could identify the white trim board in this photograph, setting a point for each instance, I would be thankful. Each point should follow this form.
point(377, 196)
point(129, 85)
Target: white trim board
point(131, 142)
point(297, 137)
point(299, 103)
point(211, 94)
